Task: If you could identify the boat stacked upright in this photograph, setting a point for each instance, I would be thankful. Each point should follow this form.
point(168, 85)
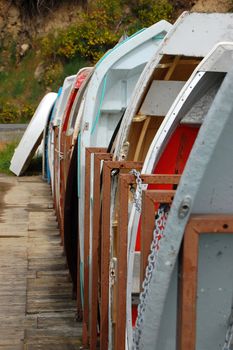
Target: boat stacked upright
point(138, 153)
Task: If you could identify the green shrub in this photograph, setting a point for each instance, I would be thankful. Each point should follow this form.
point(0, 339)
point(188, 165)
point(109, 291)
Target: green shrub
point(89, 38)
point(10, 113)
point(52, 72)
point(100, 28)
point(147, 12)
point(26, 113)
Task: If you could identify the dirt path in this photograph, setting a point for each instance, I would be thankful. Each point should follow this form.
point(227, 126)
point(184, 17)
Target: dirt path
point(36, 306)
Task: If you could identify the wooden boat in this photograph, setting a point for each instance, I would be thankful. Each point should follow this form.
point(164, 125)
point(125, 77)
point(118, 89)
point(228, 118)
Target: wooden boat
point(148, 106)
point(70, 139)
point(184, 47)
point(201, 216)
point(182, 126)
point(70, 192)
point(32, 136)
point(58, 115)
point(66, 140)
point(47, 168)
point(58, 108)
point(108, 94)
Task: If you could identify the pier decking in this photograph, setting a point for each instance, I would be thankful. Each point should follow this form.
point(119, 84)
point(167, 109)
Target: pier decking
point(37, 310)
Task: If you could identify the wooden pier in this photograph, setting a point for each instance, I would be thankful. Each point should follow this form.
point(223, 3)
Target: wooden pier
point(37, 309)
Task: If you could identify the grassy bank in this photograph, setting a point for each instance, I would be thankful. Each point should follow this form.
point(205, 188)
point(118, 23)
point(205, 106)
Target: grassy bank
point(6, 153)
point(21, 91)
point(26, 77)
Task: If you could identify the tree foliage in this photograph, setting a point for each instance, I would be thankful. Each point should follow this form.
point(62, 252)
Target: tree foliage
point(30, 8)
point(100, 28)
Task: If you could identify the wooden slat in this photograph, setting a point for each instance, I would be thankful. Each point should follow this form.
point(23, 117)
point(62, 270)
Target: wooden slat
point(37, 309)
point(88, 153)
point(125, 180)
point(96, 238)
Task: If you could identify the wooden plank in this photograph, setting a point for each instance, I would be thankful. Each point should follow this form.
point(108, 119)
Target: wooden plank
point(33, 273)
point(96, 238)
point(108, 166)
point(89, 152)
point(149, 199)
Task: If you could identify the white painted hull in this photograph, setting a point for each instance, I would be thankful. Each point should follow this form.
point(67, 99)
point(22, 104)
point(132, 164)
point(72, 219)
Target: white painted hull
point(209, 191)
point(185, 38)
point(190, 95)
point(32, 136)
point(58, 113)
point(108, 95)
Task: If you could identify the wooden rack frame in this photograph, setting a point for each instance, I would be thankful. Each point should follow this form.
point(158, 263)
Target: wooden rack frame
point(88, 154)
point(197, 225)
point(125, 181)
point(108, 167)
point(90, 318)
point(149, 199)
point(96, 238)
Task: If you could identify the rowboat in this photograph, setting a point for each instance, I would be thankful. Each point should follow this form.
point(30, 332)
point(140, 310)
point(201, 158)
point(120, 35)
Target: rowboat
point(143, 119)
point(201, 217)
point(193, 35)
point(107, 97)
point(65, 139)
point(46, 175)
point(51, 140)
point(72, 109)
point(55, 149)
point(182, 124)
point(32, 136)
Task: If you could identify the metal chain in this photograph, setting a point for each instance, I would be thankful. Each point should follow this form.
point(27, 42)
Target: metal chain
point(137, 195)
point(160, 223)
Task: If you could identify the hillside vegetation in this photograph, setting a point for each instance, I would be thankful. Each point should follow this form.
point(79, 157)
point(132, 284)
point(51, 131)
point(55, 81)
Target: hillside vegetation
point(42, 42)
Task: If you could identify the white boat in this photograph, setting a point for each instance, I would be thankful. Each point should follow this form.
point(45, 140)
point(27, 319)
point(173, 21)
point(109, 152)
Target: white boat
point(192, 35)
point(71, 193)
point(64, 141)
point(53, 151)
point(152, 98)
point(46, 143)
point(184, 117)
point(32, 136)
point(50, 146)
point(206, 189)
point(107, 96)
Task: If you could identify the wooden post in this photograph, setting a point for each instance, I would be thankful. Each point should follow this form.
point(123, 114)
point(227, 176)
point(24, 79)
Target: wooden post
point(88, 153)
point(95, 260)
point(125, 180)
